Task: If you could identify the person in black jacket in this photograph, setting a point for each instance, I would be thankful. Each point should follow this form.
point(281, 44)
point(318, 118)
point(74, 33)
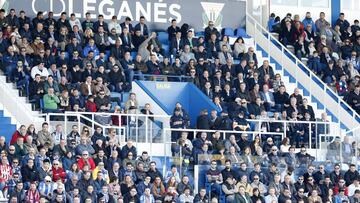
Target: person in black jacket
point(209, 30)
point(354, 98)
point(116, 79)
point(126, 39)
point(301, 47)
point(215, 121)
point(142, 27)
point(117, 50)
point(287, 34)
point(330, 73)
point(203, 121)
point(306, 108)
point(127, 24)
point(297, 131)
point(20, 77)
point(153, 172)
point(351, 175)
point(132, 196)
point(137, 39)
point(36, 90)
point(29, 173)
point(177, 44)
point(172, 30)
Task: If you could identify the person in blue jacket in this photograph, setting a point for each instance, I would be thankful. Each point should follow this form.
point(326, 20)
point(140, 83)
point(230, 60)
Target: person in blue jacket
point(308, 20)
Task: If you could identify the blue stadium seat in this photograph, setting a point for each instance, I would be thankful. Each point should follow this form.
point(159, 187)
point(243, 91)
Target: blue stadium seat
point(133, 54)
point(107, 54)
point(166, 48)
point(41, 103)
point(124, 96)
point(228, 31)
point(240, 32)
point(163, 38)
point(200, 34)
point(66, 55)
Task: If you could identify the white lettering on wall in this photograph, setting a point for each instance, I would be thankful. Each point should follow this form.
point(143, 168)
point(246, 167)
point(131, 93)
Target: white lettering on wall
point(110, 11)
point(34, 9)
point(159, 12)
point(71, 9)
point(125, 11)
point(174, 10)
point(141, 11)
point(89, 8)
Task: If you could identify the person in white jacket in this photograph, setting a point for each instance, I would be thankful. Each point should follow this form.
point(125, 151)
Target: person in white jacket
point(39, 69)
point(114, 24)
point(74, 21)
point(353, 187)
point(271, 197)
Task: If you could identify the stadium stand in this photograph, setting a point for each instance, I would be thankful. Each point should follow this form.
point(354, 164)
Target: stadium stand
point(257, 145)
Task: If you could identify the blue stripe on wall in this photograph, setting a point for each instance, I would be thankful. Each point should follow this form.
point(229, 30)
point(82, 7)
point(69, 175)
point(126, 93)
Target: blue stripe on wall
point(335, 10)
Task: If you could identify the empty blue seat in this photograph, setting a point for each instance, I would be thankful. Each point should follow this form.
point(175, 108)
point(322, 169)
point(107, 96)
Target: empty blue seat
point(133, 54)
point(200, 34)
point(166, 49)
point(125, 96)
point(115, 95)
point(240, 32)
point(163, 37)
point(228, 31)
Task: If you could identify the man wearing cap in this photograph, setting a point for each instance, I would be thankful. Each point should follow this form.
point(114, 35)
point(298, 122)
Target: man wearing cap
point(46, 187)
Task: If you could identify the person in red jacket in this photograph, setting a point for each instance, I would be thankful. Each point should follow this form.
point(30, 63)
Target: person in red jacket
point(86, 160)
point(58, 172)
point(341, 185)
point(90, 105)
point(19, 133)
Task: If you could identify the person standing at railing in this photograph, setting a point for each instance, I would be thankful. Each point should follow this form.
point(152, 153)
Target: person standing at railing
point(354, 98)
point(176, 121)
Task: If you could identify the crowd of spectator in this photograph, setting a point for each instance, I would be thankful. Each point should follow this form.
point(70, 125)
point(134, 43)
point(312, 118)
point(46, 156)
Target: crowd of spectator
point(332, 52)
point(79, 166)
point(70, 65)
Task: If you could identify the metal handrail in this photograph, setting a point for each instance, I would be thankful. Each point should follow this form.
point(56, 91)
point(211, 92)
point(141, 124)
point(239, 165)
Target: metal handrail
point(224, 132)
point(326, 88)
point(352, 130)
point(79, 117)
point(181, 77)
point(107, 113)
point(289, 121)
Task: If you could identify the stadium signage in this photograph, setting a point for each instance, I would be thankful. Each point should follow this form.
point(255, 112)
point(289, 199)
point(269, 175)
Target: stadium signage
point(158, 14)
